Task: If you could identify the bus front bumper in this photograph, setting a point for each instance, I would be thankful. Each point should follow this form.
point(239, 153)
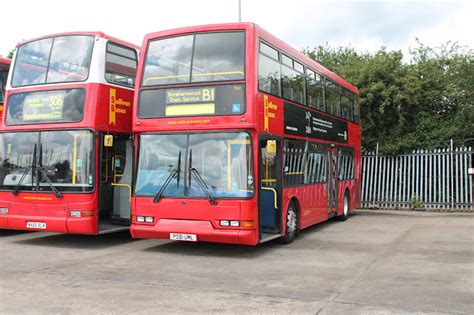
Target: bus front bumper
point(203, 230)
point(49, 224)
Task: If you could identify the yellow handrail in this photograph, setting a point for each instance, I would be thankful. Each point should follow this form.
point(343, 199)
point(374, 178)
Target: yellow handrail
point(74, 162)
point(129, 189)
point(275, 201)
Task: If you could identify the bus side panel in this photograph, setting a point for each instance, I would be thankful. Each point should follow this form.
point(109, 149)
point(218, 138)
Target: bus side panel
point(355, 142)
point(312, 203)
point(114, 109)
point(270, 113)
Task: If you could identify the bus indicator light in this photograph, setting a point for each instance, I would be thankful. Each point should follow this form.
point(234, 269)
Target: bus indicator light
point(247, 224)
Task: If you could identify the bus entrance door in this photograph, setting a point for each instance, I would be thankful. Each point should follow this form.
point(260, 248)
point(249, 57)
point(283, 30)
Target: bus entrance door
point(115, 184)
point(332, 183)
point(270, 188)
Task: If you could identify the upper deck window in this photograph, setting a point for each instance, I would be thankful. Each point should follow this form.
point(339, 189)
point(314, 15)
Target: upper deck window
point(120, 65)
point(202, 57)
point(53, 60)
point(287, 61)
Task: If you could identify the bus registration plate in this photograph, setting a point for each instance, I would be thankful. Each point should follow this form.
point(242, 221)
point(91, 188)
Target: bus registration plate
point(183, 237)
point(36, 225)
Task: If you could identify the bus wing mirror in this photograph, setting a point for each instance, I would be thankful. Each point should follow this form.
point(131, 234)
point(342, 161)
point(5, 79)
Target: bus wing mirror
point(271, 146)
point(108, 141)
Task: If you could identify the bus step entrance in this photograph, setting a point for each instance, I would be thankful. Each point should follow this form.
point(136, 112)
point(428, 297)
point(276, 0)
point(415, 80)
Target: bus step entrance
point(269, 230)
point(107, 226)
point(265, 237)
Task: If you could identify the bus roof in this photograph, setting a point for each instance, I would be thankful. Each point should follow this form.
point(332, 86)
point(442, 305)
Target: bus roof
point(99, 34)
point(5, 61)
point(267, 36)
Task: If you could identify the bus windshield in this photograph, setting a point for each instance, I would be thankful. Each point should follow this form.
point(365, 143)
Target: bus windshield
point(53, 60)
point(223, 160)
point(65, 158)
point(202, 57)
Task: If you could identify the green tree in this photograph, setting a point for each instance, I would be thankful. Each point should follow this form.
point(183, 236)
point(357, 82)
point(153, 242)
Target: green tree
point(422, 103)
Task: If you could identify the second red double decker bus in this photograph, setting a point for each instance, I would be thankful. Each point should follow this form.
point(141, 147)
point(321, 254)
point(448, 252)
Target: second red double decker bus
point(240, 138)
point(65, 141)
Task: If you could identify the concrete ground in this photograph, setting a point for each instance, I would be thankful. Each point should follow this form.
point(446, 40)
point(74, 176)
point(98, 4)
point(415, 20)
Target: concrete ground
point(376, 262)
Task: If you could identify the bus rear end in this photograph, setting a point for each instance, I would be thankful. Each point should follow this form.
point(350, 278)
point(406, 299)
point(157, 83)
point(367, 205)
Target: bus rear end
point(65, 140)
point(195, 131)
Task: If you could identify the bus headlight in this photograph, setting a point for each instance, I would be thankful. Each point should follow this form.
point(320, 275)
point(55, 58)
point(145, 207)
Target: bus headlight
point(75, 213)
point(140, 219)
point(81, 213)
point(3, 210)
point(149, 219)
point(233, 223)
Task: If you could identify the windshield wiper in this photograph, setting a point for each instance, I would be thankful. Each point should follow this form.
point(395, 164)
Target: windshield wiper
point(194, 172)
point(31, 167)
point(37, 168)
point(40, 168)
point(175, 173)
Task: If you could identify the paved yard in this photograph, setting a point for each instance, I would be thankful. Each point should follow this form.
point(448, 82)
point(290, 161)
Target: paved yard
point(377, 261)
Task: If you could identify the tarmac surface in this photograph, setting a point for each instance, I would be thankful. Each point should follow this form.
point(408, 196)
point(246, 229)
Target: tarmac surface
point(375, 262)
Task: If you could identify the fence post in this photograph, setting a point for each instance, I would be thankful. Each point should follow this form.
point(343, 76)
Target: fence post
point(452, 174)
point(376, 175)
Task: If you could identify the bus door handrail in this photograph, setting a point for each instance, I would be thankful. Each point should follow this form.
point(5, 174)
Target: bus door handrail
point(125, 185)
point(275, 199)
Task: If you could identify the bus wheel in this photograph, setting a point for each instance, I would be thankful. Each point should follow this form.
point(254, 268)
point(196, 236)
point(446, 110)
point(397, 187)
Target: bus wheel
point(291, 224)
point(345, 208)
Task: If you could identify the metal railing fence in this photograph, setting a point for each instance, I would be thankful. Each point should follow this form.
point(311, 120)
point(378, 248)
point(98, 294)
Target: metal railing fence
point(430, 179)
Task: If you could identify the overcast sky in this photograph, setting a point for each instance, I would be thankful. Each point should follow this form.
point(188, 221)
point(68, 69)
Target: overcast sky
point(365, 25)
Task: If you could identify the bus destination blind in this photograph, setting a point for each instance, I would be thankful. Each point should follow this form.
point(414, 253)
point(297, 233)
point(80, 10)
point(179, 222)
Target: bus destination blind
point(221, 99)
point(190, 101)
point(43, 107)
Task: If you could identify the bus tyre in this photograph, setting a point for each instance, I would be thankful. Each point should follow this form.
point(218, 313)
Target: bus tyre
point(291, 224)
point(345, 208)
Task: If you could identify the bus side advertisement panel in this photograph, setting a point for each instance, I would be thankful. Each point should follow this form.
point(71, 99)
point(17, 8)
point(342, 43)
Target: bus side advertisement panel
point(116, 108)
point(270, 111)
point(306, 123)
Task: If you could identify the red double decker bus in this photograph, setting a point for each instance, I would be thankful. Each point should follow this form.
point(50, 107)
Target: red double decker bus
point(65, 143)
point(240, 138)
point(4, 67)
